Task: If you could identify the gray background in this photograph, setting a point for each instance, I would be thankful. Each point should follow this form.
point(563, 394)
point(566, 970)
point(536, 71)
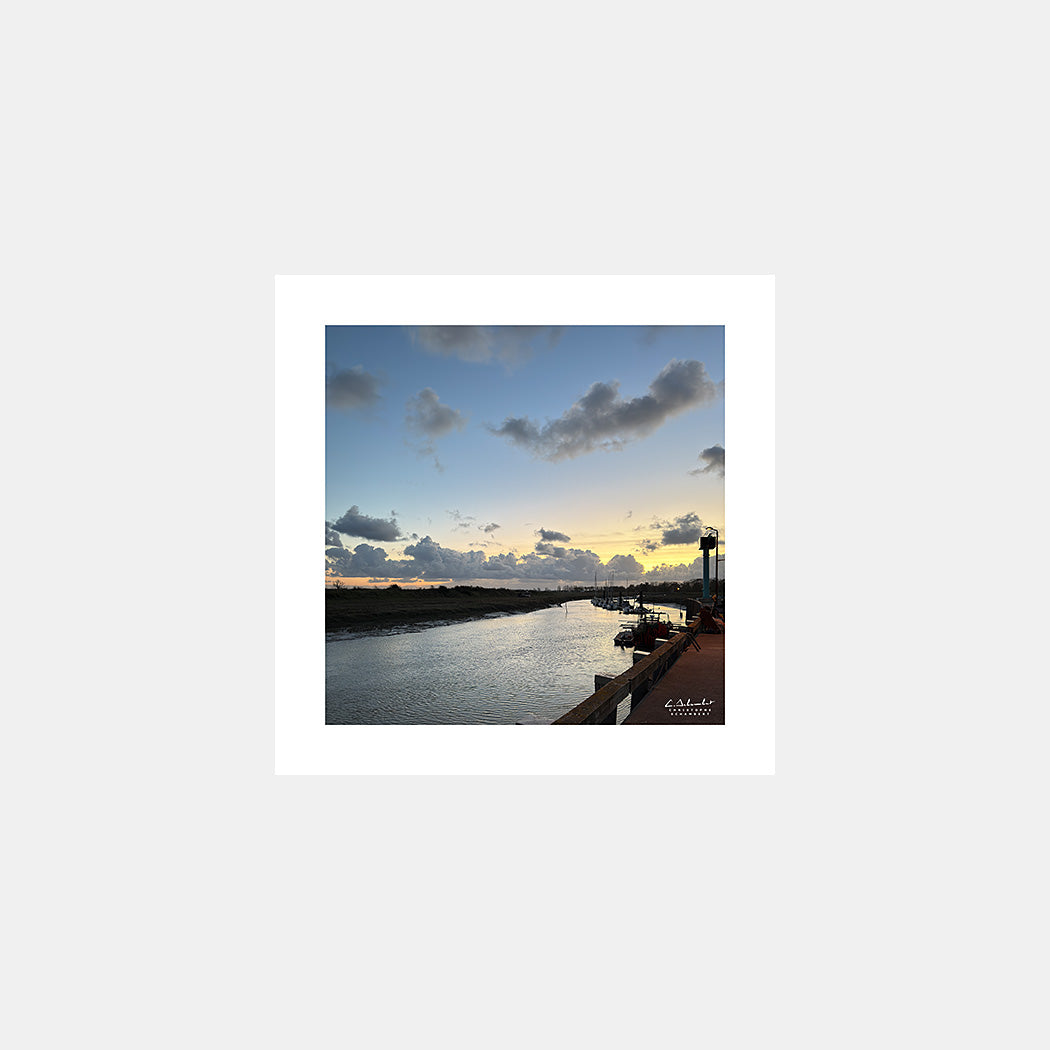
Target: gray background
point(163, 887)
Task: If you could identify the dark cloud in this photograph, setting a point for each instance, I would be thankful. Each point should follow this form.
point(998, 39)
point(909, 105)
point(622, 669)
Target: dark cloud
point(362, 561)
point(467, 342)
point(354, 523)
point(550, 548)
point(491, 527)
point(351, 388)
point(426, 415)
point(550, 534)
point(331, 537)
point(602, 419)
point(428, 560)
point(685, 529)
point(625, 565)
point(714, 460)
point(507, 343)
point(679, 531)
point(520, 432)
point(570, 565)
point(434, 561)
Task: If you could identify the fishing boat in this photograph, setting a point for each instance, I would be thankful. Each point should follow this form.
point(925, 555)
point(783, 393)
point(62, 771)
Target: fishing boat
point(652, 628)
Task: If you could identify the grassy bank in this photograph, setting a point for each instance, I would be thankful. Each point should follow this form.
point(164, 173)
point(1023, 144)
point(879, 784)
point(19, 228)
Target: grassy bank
point(364, 608)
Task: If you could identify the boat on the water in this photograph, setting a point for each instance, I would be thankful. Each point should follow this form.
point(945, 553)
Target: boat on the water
point(651, 629)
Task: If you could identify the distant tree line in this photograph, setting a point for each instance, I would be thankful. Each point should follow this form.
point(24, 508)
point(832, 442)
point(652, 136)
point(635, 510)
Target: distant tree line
point(687, 587)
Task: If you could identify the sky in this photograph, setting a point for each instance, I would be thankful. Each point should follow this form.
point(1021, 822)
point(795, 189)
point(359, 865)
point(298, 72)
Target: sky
point(522, 456)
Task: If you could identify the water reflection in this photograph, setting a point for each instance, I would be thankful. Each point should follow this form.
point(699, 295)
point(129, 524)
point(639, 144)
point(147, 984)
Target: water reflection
point(489, 672)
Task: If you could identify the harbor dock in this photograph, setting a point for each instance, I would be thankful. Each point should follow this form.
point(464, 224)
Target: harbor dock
point(692, 690)
point(681, 680)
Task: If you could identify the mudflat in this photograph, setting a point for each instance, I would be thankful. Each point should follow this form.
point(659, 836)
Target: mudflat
point(365, 608)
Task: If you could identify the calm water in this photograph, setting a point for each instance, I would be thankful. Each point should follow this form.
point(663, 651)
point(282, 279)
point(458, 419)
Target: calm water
point(492, 671)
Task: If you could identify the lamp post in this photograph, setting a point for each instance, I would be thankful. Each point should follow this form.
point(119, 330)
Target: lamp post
point(715, 531)
point(707, 544)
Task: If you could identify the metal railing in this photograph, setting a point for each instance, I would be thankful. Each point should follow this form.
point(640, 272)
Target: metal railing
point(600, 707)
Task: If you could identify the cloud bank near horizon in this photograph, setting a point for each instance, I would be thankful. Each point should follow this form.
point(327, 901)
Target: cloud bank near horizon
point(428, 561)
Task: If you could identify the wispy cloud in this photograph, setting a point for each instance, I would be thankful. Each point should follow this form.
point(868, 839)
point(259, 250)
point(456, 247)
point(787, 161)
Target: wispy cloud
point(463, 521)
point(429, 419)
point(509, 344)
point(650, 333)
point(603, 419)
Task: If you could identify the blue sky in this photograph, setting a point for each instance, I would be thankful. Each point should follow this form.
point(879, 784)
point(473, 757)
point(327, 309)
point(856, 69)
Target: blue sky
point(522, 456)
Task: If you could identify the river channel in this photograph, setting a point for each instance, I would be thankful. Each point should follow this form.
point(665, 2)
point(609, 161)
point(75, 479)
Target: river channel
point(492, 671)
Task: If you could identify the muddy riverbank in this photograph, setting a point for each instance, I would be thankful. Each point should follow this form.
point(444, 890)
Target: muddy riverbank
point(368, 608)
